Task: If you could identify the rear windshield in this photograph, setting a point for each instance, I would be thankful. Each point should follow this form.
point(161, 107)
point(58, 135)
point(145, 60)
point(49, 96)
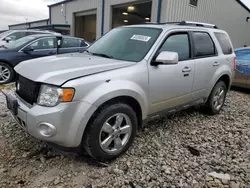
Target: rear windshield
point(19, 42)
point(224, 43)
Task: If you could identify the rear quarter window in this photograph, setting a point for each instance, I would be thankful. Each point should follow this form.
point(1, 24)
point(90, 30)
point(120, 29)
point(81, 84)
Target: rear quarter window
point(224, 43)
point(204, 45)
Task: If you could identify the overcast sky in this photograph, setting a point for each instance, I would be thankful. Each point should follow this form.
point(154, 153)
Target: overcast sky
point(17, 11)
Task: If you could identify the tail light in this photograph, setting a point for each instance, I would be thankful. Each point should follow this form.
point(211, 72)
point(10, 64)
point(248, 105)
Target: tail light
point(235, 63)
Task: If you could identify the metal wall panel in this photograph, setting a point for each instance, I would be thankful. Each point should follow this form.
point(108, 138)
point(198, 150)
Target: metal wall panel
point(23, 26)
point(228, 15)
point(27, 25)
point(72, 7)
point(110, 3)
point(36, 24)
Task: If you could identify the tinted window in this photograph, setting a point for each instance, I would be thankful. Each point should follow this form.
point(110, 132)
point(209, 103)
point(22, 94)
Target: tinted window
point(178, 43)
point(16, 35)
point(70, 43)
point(45, 43)
point(20, 42)
point(224, 43)
point(83, 43)
point(194, 2)
point(203, 44)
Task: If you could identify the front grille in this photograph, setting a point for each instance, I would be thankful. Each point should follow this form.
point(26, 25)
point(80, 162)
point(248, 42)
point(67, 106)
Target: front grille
point(26, 89)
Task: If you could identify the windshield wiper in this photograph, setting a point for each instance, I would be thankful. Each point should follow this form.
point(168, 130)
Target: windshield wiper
point(87, 52)
point(103, 55)
point(3, 47)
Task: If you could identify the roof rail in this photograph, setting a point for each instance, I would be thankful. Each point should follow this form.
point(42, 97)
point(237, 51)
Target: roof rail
point(199, 24)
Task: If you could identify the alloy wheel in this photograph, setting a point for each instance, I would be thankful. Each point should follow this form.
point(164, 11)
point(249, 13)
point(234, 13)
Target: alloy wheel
point(219, 98)
point(4, 74)
point(115, 133)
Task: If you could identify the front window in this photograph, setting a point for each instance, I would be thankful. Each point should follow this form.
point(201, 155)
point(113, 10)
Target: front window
point(43, 44)
point(126, 43)
point(178, 43)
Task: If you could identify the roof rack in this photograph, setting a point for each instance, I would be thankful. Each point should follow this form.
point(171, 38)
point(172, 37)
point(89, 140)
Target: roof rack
point(198, 24)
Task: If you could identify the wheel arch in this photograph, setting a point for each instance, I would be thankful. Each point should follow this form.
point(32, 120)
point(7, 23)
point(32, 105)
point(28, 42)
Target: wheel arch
point(131, 101)
point(226, 79)
point(7, 62)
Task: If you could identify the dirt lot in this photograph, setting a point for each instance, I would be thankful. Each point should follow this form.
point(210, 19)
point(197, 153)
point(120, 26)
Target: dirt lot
point(179, 151)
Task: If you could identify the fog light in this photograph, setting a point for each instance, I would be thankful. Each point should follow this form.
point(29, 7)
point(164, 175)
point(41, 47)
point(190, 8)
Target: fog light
point(46, 129)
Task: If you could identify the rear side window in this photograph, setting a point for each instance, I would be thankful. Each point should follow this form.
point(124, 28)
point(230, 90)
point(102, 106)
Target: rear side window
point(224, 43)
point(70, 43)
point(83, 43)
point(204, 45)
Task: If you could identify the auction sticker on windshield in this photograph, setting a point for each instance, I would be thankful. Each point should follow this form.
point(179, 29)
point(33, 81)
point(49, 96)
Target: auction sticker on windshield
point(141, 38)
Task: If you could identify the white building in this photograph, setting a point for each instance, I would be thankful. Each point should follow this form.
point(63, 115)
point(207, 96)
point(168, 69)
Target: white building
point(90, 19)
point(27, 25)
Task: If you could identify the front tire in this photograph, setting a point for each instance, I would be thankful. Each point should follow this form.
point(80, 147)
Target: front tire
point(216, 99)
point(6, 73)
point(110, 132)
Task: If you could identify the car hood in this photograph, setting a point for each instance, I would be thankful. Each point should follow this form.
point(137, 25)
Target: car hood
point(57, 70)
point(2, 42)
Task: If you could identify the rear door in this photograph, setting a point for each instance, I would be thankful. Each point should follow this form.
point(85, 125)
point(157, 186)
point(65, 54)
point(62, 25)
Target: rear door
point(206, 63)
point(41, 48)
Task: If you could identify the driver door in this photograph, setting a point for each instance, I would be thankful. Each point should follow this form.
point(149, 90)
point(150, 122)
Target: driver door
point(40, 48)
point(170, 85)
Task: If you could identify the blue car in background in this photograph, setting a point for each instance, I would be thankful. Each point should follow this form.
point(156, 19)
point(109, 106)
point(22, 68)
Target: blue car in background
point(35, 46)
point(242, 74)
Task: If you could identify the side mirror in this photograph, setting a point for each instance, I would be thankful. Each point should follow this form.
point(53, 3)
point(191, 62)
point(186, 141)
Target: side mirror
point(166, 58)
point(28, 49)
point(7, 39)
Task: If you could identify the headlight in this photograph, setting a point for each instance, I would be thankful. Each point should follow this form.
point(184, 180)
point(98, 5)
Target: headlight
point(51, 96)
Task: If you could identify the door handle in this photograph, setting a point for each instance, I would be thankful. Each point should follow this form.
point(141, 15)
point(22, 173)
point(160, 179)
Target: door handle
point(216, 64)
point(186, 69)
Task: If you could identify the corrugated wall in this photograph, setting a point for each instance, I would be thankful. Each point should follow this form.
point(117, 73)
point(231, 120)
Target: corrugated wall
point(73, 7)
point(110, 3)
point(226, 14)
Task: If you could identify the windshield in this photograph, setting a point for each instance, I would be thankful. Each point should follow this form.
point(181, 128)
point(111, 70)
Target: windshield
point(126, 43)
point(4, 34)
point(19, 42)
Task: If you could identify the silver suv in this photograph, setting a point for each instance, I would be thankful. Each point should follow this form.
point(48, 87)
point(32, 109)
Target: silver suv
point(97, 100)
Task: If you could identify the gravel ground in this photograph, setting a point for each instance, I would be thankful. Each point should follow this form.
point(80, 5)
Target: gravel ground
point(188, 149)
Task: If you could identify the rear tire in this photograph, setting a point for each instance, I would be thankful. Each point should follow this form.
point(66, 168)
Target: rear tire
point(110, 132)
point(6, 73)
point(216, 99)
